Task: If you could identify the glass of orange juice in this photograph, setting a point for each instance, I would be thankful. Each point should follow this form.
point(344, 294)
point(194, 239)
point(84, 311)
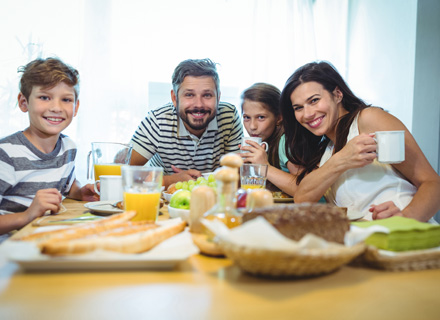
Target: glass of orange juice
point(142, 187)
point(253, 176)
point(108, 157)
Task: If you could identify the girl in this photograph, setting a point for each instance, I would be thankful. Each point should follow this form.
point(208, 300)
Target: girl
point(333, 134)
point(262, 118)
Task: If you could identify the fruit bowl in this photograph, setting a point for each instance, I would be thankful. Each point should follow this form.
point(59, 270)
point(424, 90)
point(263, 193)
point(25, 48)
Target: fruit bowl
point(207, 174)
point(179, 213)
point(167, 196)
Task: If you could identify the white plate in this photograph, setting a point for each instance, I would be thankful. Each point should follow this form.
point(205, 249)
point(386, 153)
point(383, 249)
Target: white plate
point(164, 256)
point(354, 215)
point(102, 207)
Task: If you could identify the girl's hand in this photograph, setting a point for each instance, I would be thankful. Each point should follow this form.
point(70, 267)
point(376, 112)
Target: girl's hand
point(256, 153)
point(359, 151)
point(385, 210)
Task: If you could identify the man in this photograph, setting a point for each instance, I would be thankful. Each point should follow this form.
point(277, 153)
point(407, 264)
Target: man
point(189, 135)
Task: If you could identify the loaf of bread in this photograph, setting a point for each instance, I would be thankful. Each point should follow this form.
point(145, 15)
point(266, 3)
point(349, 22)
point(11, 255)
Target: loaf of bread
point(296, 220)
point(81, 230)
point(135, 241)
point(115, 233)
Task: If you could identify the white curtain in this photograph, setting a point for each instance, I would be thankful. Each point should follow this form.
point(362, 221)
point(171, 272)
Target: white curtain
point(126, 51)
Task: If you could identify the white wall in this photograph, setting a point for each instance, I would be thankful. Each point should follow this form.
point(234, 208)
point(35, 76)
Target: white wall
point(381, 51)
point(426, 111)
point(394, 46)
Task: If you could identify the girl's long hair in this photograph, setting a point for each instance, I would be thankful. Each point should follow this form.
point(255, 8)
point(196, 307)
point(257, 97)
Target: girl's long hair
point(303, 148)
point(269, 96)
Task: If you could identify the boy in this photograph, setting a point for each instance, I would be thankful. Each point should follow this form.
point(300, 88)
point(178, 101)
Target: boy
point(37, 165)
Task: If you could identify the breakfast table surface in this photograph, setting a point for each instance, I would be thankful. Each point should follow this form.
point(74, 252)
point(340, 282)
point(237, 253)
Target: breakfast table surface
point(203, 287)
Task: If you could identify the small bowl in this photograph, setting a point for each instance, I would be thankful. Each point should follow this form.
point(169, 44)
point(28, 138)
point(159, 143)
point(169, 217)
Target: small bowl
point(179, 213)
point(167, 196)
point(207, 174)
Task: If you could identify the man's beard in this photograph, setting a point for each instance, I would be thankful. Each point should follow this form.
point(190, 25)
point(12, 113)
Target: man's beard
point(196, 124)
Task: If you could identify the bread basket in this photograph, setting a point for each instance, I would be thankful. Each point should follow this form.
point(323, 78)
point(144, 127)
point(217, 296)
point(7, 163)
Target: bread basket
point(292, 263)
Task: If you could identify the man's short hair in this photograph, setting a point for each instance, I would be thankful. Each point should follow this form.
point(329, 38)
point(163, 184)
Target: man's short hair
point(47, 73)
point(195, 68)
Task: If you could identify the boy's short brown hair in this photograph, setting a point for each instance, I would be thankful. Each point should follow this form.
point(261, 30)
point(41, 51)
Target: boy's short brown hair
point(47, 73)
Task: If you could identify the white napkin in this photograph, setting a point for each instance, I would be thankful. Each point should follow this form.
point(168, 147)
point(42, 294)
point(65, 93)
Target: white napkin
point(259, 233)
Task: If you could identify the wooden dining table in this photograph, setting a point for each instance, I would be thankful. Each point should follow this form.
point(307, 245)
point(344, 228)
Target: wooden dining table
point(203, 287)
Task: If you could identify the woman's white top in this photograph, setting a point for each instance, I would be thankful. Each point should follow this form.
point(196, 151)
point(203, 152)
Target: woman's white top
point(357, 189)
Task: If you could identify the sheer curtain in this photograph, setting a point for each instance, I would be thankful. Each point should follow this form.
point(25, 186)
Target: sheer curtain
point(126, 51)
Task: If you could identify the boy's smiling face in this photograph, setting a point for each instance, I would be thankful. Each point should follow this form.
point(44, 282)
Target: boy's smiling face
point(50, 110)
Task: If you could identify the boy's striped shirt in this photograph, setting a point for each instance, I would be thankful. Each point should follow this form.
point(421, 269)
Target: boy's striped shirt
point(24, 170)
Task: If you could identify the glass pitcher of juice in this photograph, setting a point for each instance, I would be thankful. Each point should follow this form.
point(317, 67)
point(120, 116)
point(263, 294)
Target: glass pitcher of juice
point(107, 158)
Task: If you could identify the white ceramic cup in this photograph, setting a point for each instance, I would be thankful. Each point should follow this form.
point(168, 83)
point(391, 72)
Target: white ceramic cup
point(390, 146)
point(256, 139)
point(110, 189)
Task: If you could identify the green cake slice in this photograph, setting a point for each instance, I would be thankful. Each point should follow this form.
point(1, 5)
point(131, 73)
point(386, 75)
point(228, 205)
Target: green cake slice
point(405, 234)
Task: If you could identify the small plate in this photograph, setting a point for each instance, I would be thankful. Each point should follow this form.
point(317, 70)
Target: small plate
point(282, 200)
point(103, 207)
point(354, 215)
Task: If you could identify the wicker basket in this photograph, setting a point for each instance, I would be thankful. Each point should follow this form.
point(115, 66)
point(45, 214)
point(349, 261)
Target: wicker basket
point(299, 263)
point(401, 261)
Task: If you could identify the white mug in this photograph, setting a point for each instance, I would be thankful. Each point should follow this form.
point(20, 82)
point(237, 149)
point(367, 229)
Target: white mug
point(390, 146)
point(256, 139)
point(110, 189)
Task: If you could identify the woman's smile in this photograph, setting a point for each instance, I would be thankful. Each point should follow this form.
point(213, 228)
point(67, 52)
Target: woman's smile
point(316, 122)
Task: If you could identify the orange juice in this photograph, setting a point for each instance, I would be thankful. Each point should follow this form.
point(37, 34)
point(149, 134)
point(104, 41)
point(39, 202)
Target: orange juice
point(251, 186)
point(112, 169)
point(145, 204)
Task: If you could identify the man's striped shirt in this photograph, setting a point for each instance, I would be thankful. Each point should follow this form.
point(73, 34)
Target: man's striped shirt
point(163, 139)
point(24, 170)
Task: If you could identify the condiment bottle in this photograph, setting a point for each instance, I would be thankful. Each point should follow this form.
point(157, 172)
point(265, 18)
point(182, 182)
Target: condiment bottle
point(227, 178)
point(203, 198)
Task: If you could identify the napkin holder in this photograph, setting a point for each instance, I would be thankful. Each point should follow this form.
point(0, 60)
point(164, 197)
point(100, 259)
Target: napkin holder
point(399, 261)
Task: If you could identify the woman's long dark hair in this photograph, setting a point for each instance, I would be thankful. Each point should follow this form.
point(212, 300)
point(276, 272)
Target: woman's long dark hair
point(303, 148)
point(269, 96)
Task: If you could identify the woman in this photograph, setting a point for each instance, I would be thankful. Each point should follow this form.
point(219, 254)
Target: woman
point(330, 133)
point(262, 118)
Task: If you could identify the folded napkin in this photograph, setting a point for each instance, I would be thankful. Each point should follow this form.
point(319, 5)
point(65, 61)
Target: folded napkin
point(404, 234)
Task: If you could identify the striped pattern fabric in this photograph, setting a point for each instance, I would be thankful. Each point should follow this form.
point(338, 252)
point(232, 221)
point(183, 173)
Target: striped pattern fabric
point(24, 170)
point(162, 138)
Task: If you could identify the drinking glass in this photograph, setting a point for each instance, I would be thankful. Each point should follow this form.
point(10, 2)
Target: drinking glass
point(253, 176)
point(142, 187)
